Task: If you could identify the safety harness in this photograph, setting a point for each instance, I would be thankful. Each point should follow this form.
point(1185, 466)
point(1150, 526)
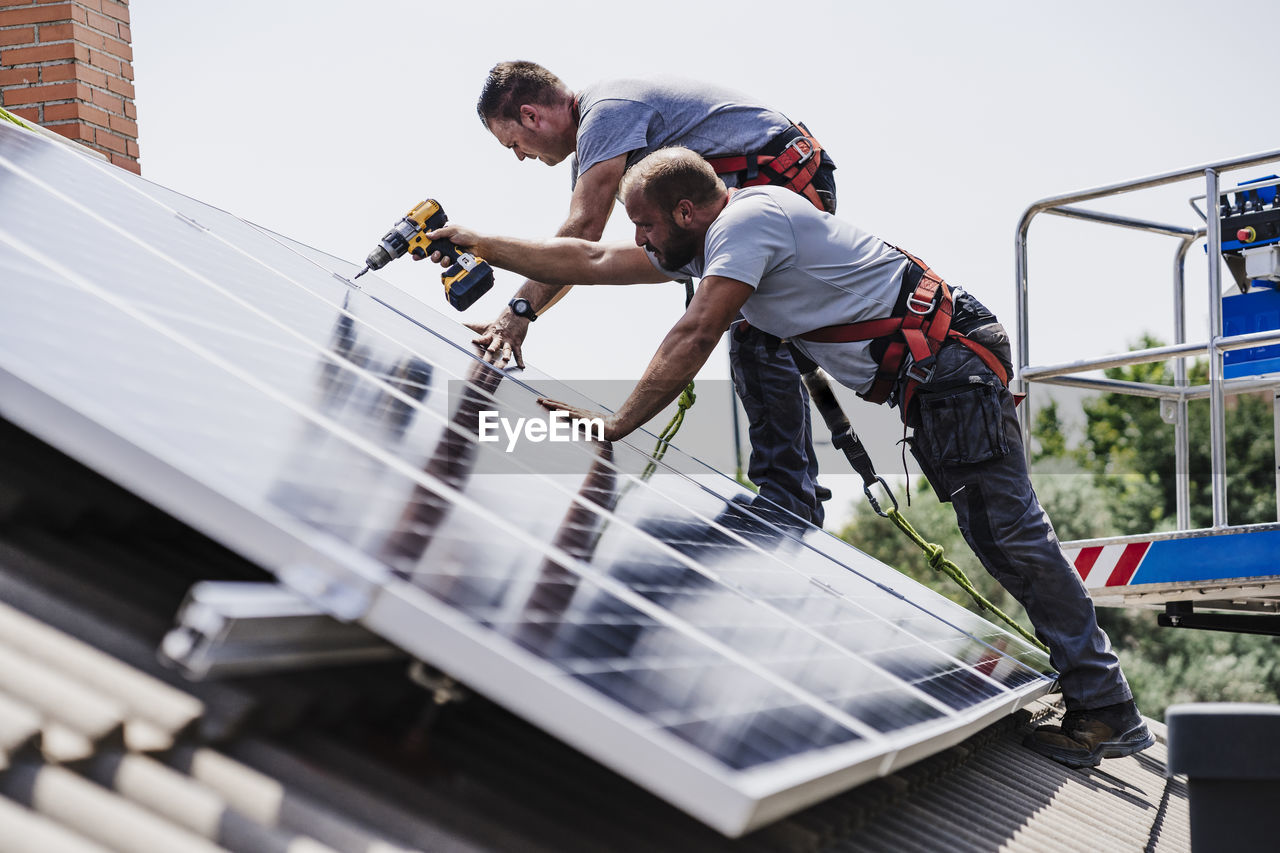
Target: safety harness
point(793, 167)
point(912, 337)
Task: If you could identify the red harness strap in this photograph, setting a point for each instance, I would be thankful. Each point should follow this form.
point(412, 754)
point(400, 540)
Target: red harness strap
point(793, 168)
point(920, 331)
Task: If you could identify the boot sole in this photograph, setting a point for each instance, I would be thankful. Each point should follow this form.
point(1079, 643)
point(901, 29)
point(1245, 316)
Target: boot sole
point(1121, 748)
point(1107, 749)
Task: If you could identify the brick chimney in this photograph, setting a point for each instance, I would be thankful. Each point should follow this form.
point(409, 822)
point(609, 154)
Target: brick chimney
point(68, 66)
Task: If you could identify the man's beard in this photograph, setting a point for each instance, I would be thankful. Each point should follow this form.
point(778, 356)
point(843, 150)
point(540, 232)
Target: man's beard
point(681, 247)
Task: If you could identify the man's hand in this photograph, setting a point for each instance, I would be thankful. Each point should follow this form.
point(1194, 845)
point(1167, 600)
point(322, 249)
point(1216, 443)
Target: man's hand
point(463, 238)
point(502, 338)
point(612, 432)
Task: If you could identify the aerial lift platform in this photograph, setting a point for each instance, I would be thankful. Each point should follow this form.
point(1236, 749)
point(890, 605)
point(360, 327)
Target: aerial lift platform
point(1224, 577)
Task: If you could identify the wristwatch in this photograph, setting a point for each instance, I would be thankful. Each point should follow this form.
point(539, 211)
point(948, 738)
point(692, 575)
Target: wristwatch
point(521, 308)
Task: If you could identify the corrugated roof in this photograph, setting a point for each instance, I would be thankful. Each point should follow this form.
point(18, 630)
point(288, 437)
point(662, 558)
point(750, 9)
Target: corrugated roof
point(101, 748)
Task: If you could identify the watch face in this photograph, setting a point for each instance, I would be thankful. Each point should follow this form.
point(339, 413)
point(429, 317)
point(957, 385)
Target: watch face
point(521, 308)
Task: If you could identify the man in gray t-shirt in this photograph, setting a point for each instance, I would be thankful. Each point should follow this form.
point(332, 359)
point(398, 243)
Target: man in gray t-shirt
point(603, 131)
point(798, 273)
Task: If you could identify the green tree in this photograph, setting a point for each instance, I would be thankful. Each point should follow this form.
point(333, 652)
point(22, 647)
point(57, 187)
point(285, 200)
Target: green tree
point(1130, 450)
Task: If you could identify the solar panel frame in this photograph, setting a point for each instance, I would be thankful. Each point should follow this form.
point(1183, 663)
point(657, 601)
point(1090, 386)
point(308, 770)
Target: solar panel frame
point(347, 582)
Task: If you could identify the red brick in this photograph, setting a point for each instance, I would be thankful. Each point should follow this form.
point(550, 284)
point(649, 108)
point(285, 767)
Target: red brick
point(126, 70)
point(68, 71)
point(91, 5)
point(83, 35)
point(29, 113)
point(123, 126)
point(62, 112)
point(105, 61)
point(103, 24)
point(118, 48)
point(78, 14)
point(131, 146)
point(44, 94)
point(37, 14)
point(74, 130)
point(107, 101)
point(77, 111)
point(120, 86)
point(116, 9)
point(111, 141)
point(17, 35)
point(19, 76)
point(126, 163)
point(41, 53)
point(92, 76)
point(82, 53)
point(130, 110)
point(61, 31)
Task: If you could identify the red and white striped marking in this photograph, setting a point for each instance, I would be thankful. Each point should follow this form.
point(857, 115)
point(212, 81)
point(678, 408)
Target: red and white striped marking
point(1108, 565)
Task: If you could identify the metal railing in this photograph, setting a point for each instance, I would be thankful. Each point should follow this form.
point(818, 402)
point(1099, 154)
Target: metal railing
point(1175, 396)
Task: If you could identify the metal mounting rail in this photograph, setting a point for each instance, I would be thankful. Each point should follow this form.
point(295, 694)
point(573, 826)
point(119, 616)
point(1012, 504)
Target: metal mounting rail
point(1179, 393)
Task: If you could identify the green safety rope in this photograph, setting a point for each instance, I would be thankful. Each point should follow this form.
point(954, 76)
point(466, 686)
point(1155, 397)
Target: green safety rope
point(939, 563)
point(686, 401)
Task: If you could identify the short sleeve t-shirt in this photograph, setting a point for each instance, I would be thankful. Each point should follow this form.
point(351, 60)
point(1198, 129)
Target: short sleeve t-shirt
point(809, 270)
point(637, 117)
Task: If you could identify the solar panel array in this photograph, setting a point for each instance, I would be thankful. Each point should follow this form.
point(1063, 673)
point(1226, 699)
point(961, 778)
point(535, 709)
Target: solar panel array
point(739, 664)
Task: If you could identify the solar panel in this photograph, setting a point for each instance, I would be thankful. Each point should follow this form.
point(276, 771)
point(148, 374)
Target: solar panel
point(739, 666)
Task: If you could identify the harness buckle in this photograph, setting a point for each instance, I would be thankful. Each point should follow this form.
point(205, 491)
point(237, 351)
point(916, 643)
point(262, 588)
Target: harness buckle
point(803, 148)
point(920, 306)
point(919, 371)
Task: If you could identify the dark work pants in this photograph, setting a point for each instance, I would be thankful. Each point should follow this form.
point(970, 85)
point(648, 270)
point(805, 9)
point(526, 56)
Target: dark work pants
point(968, 441)
point(783, 464)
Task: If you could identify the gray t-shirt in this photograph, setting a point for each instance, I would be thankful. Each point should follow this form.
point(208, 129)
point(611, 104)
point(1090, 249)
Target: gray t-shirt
point(809, 270)
point(640, 116)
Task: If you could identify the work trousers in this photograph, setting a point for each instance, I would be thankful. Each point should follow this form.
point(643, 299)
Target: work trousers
point(783, 463)
point(968, 442)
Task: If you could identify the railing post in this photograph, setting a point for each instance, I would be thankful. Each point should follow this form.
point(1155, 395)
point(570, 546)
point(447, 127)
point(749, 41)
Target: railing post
point(1217, 399)
point(1181, 430)
point(1018, 385)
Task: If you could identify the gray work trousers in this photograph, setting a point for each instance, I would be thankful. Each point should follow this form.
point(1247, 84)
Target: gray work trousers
point(968, 442)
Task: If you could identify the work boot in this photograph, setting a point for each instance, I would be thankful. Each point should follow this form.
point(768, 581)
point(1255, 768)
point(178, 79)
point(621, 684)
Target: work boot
point(1086, 737)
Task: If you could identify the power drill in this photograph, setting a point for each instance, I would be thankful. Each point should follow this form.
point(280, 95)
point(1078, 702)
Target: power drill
point(466, 281)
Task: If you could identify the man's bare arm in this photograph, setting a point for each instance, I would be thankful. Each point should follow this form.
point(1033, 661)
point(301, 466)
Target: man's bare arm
point(683, 352)
point(589, 209)
point(559, 260)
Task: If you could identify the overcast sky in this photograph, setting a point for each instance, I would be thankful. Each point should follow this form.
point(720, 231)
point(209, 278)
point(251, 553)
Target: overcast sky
point(328, 120)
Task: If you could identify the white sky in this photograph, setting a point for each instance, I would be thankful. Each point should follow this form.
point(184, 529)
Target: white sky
point(326, 121)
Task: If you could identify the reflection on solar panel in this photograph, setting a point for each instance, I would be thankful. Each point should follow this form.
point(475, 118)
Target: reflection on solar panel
point(739, 667)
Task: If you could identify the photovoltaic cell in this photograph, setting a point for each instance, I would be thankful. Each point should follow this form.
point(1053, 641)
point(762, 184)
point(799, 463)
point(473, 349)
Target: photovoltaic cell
point(726, 659)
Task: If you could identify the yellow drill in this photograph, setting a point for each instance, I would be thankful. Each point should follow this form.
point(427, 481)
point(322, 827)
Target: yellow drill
point(466, 281)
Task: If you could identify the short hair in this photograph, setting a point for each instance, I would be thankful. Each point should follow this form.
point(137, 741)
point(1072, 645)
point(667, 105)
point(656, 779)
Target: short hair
point(670, 174)
point(511, 84)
